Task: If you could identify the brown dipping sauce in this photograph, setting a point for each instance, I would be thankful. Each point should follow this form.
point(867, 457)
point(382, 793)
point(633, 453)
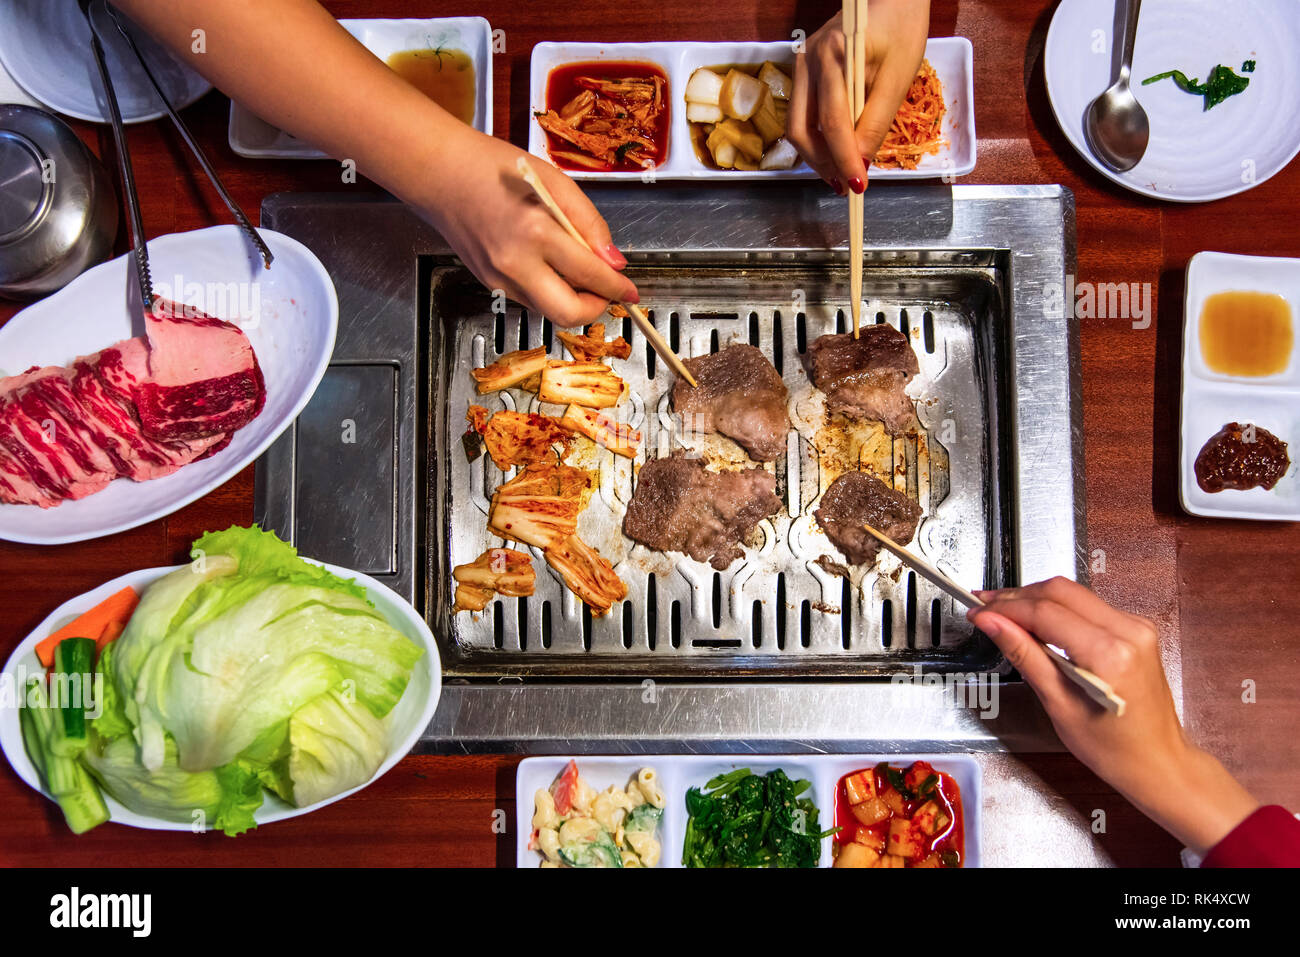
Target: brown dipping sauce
point(443, 75)
point(1246, 333)
point(1229, 461)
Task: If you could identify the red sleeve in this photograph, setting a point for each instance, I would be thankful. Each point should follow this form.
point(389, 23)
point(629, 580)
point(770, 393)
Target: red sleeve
point(1268, 838)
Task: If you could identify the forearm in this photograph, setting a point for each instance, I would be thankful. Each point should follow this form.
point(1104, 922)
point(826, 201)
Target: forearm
point(290, 62)
point(1195, 799)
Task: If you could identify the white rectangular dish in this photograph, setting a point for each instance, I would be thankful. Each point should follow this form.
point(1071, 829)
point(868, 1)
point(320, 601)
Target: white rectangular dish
point(678, 772)
point(951, 57)
point(1211, 399)
point(253, 137)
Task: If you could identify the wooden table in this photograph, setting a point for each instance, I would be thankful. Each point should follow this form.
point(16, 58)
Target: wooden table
point(1228, 591)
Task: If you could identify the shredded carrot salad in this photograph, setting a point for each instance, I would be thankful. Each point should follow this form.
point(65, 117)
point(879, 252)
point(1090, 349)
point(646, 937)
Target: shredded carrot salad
point(916, 129)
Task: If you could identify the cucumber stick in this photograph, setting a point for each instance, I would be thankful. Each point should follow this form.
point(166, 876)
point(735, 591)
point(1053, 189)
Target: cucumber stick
point(67, 779)
point(72, 674)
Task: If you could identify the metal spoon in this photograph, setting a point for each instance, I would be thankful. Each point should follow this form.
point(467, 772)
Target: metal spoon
point(1116, 126)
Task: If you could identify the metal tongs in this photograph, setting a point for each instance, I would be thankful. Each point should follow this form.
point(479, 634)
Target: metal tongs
point(132, 199)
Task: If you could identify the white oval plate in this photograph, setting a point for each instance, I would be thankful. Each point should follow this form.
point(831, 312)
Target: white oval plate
point(289, 312)
point(951, 57)
point(45, 46)
point(1194, 155)
point(411, 715)
point(249, 135)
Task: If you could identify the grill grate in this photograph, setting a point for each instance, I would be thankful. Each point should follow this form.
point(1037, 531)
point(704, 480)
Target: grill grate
point(776, 611)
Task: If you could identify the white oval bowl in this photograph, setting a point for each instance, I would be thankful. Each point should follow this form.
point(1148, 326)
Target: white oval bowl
point(291, 321)
point(411, 715)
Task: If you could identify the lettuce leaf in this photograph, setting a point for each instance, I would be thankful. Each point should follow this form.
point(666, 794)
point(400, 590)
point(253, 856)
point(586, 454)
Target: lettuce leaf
point(224, 798)
point(241, 796)
point(268, 758)
point(220, 654)
point(111, 721)
point(336, 744)
point(143, 652)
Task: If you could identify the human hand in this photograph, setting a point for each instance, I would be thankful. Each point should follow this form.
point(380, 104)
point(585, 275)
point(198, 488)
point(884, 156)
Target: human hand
point(462, 181)
point(1145, 754)
point(511, 242)
point(819, 124)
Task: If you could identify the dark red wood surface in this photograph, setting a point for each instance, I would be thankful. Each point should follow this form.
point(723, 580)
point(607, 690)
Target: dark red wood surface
point(1228, 591)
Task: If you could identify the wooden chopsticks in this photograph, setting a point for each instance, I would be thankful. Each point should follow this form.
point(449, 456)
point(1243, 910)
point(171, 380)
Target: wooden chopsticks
point(643, 323)
point(854, 24)
point(1096, 687)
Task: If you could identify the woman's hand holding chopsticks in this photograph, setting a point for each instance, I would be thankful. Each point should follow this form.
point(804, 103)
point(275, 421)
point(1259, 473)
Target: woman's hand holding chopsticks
point(1145, 754)
point(819, 125)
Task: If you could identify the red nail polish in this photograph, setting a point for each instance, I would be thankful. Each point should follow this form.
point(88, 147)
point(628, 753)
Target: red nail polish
point(616, 258)
point(835, 185)
point(635, 298)
point(856, 185)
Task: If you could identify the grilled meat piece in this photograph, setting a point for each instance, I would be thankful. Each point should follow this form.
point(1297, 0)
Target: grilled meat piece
point(864, 378)
point(739, 395)
point(679, 505)
point(856, 499)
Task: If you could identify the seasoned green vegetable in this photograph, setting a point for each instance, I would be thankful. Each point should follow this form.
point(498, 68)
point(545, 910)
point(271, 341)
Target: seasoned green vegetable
point(1221, 83)
point(895, 778)
point(742, 819)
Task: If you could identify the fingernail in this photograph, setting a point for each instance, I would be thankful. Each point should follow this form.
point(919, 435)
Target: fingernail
point(614, 257)
point(634, 298)
point(835, 185)
point(856, 185)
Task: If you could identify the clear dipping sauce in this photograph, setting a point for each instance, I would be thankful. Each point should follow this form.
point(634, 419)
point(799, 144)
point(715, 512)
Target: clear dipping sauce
point(443, 75)
point(1246, 333)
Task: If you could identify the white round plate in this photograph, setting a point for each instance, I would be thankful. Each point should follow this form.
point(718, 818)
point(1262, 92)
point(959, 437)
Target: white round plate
point(45, 46)
point(289, 312)
point(1194, 155)
point(411, 715)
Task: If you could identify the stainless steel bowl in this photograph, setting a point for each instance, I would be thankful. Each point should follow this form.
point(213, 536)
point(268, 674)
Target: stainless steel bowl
point(58, 212)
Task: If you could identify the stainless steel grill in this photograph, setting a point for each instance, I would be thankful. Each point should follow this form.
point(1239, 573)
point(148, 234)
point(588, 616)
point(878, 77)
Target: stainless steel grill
point(1000, 398)
point(776, 610)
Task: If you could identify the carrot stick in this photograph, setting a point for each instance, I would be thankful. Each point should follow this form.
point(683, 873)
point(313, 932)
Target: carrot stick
point(112, 631)
point(115, 609)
